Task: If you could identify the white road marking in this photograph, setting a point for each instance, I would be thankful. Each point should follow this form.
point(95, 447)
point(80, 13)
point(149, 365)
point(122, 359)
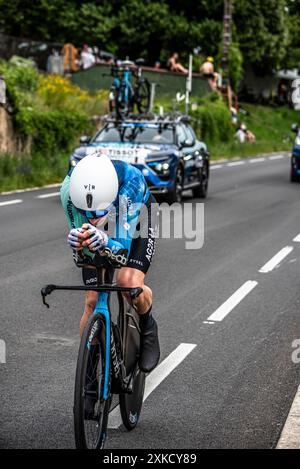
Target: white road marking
point(297, 239)
point(216, 166)
point(155, 378)
point(272, 263)
point(236, 163)
point(257, 160)
point(45, 196)
point(276, 157)
point(233, 301)
point(11, 202)
point(208, 322)
point(30, 189)
point(290, 435)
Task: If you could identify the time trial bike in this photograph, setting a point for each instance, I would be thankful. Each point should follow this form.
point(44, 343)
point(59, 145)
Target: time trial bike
point(125, 95)
point(108, 357)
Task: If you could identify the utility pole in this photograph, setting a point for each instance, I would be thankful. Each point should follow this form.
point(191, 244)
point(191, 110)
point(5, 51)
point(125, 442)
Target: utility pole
point(227, 33)
point(188, 85)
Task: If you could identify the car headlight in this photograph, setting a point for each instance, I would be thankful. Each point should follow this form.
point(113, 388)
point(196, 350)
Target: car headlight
point(198, 159)
point(162, 167)
point(297, 141)
point(73, 163)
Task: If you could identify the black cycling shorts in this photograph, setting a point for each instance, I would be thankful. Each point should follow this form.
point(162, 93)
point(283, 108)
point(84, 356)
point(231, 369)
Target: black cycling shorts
point(142, 247)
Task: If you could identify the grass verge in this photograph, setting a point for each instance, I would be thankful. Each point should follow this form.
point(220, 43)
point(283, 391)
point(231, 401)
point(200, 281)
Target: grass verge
point(31, 171)
point(271, 126)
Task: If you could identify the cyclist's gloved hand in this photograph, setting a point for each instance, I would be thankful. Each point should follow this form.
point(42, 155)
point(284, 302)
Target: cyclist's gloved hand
point(95, 239)
point(74, 239)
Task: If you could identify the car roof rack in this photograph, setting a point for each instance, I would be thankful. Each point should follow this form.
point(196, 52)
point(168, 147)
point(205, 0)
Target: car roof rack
point(171, 118)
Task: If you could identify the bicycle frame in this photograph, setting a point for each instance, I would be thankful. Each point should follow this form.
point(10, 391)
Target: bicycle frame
point(102, 308)
point(124, 81)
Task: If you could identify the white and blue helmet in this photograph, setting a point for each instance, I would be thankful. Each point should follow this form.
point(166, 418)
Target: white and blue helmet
point(94, 184)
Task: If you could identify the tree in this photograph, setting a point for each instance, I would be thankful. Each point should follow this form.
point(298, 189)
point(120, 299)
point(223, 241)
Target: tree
point(263, 33)
point(292, 59)
point(267, 31)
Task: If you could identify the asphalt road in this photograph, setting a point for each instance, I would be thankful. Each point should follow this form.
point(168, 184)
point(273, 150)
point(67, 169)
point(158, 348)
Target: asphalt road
point(233, 390)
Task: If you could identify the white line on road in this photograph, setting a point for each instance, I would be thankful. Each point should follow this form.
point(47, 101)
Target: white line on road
point(269, 266)
point(45, 196)
point(155, 378)
point(257, 160)
point(11, 202)
point(297, 239)
point(216, 166)
point(290, 435)
point(236, 163)
point(276, 157)
point(30, 189)
point(233, 301)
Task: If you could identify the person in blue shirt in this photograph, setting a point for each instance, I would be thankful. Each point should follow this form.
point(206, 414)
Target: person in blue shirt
point(101, 192)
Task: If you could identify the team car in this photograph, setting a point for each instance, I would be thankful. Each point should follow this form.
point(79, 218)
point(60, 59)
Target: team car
point(164, 148)
point(295, 162)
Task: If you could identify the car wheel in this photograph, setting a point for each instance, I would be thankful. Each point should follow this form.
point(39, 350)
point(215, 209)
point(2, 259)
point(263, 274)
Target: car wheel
point(201, 191)
point(175, 194)
point(294, 177)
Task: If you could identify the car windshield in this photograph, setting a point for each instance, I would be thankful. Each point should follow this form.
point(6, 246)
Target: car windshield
point(152, 133)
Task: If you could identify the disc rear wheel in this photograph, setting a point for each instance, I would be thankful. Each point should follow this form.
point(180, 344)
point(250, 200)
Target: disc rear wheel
point(131, 404)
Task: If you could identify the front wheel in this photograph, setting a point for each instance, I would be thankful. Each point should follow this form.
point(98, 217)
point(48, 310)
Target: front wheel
point(294, 177)
point(90, 408)
point(201, 191)
point(142, 96)
point(175, 194)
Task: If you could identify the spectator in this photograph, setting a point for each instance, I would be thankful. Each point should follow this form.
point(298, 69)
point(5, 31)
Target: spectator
point(207, 70)
point(87, 57)
point(234, 115)
point(157, 65)
point(2, 91)
point(244, 135)
point(282, 92)
point(70, 58)
point(241, 134)
point(250, 137)
point(55, 63)
point(175, 66)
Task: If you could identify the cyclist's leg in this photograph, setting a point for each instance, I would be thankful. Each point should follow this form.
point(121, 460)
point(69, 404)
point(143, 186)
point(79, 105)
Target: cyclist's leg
point(139, 261)
point(130, 277)
point(89, 278)
point(140, 257)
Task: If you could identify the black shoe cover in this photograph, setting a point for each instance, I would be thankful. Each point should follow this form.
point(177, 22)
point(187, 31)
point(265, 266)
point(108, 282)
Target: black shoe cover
point(149, 349)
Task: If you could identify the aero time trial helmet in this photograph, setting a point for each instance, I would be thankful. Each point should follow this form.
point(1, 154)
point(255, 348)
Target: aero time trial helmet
point(94, 185)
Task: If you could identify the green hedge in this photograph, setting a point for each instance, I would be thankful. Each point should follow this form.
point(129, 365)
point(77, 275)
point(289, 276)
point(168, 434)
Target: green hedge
point(49, 129)
point(213, 122)
point(52, 131)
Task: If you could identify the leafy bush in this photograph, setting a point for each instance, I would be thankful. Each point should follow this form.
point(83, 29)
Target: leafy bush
point(213, 120)
point(58, 92)
point(51, 131)
point(49, 113)
point(21, 74)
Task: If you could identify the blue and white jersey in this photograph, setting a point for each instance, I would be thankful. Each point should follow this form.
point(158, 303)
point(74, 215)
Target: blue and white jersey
point(133, 194)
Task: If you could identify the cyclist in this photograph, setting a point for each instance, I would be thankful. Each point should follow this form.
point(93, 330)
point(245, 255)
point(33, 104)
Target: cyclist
point(99, 192)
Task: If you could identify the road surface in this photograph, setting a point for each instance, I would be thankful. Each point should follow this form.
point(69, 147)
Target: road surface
point(228, 317)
